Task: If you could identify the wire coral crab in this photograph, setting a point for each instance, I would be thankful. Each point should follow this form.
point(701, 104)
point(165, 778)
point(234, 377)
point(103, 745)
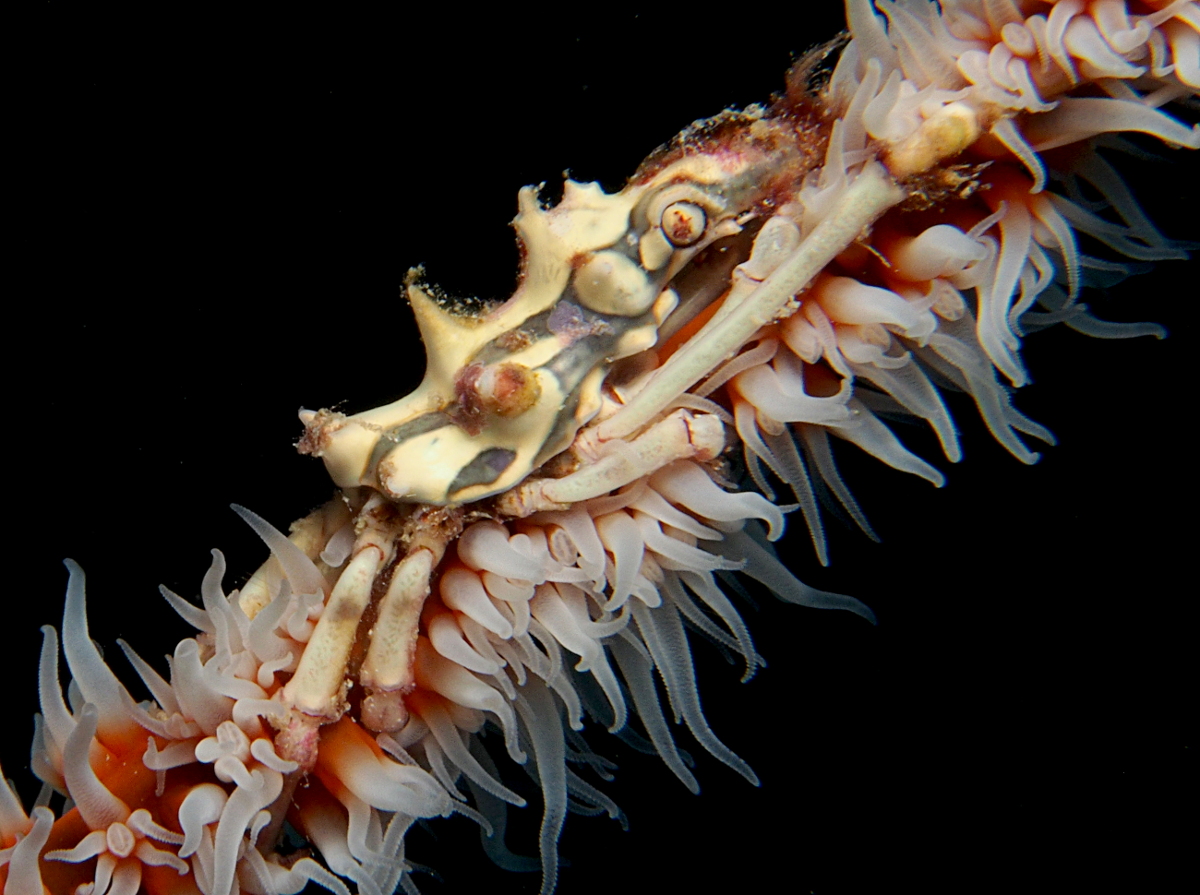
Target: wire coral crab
point(435, 768)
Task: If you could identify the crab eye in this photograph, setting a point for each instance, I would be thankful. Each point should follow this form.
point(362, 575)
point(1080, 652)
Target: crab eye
point(683, 223)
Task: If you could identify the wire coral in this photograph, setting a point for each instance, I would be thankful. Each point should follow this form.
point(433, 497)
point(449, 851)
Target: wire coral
point(232, 663)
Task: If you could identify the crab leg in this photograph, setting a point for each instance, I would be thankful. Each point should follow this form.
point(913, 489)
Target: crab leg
point(388, 670)
point(866, 199)
point(680, 436)
point(317, 687)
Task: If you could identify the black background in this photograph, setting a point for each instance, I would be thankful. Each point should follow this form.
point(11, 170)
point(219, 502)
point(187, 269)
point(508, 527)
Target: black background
point(212, 217)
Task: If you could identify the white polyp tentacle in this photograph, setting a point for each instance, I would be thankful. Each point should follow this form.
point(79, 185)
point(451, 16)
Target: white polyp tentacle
point(57, 722)
point(465, 689)
point(14, 822)
point(236, 816)
point(381, 782)
point(96, 804)
point(777, 394)
point(201, 806)
point(652, 502)
point(463, 591)
point(552, 607)
point(196, 698)
point(291, 880)
point(675, 552)
point(96, 681)
point(329, 833)
point(448, 638)
point(21, 860)
point(687, 485)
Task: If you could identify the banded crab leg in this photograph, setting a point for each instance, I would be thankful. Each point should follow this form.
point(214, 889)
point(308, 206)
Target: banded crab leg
point(317, 691)
point(680, 436)
point(385, 582)
point(388, 673)
point(318, 684)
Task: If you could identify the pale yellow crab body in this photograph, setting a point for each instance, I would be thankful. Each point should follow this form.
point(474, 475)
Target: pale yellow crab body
point(507, 389)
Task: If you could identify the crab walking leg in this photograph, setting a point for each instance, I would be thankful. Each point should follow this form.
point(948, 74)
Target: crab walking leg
point(388, 670)
point(309, 536)
point(866, 199)
point(316, 688)
point(680, 436)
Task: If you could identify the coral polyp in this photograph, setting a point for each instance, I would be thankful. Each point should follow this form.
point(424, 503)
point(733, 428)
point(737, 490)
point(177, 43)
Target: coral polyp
point(593, 477)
